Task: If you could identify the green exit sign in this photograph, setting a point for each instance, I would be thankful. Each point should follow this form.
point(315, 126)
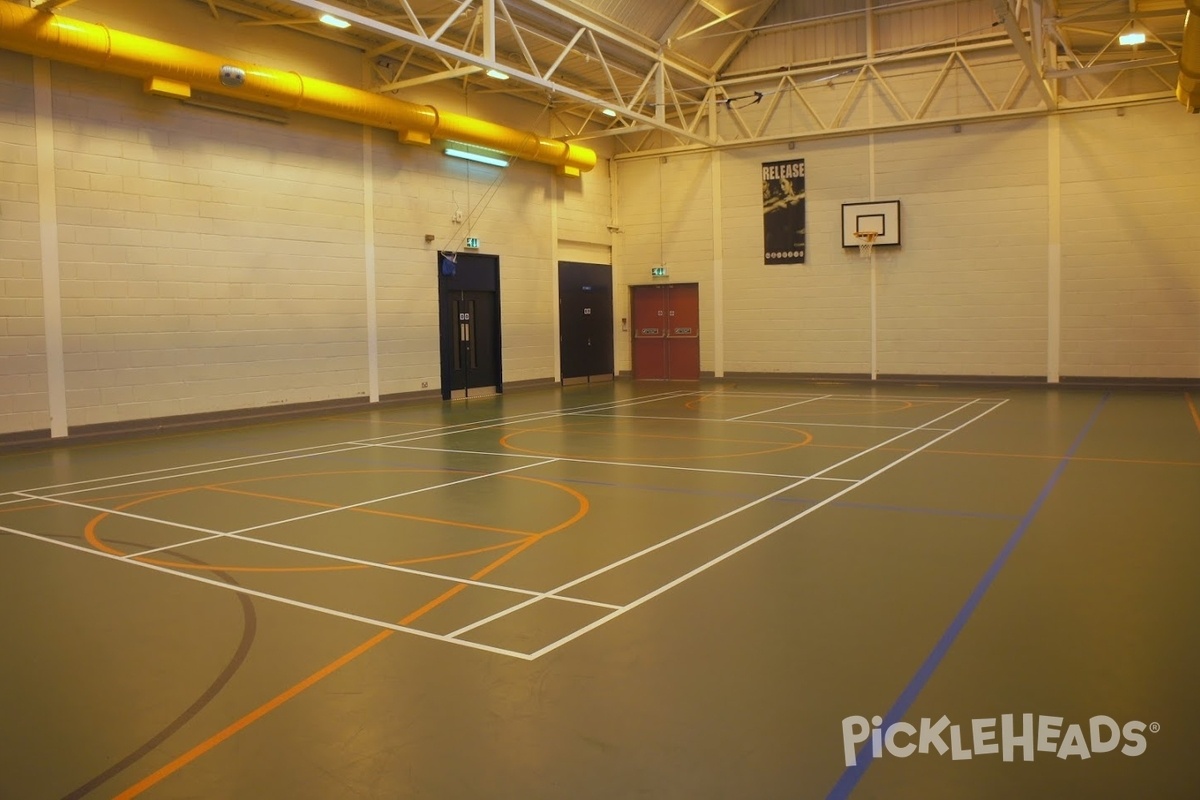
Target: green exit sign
point(658, 272)
point(472, 243)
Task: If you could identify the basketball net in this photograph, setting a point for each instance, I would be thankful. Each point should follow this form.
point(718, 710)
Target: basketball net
point(866, 241)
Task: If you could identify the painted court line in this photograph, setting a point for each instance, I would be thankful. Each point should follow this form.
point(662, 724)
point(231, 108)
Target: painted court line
point(689, 532)
point(889, 397)
point(333, 612)
point(631, 464)
point(195, 468)
point(779, 408)
point(156, 475)
point(532, 416)
point(385, 498)
point(211, 535)
point(168, 472)
point(748, 543)
point(852, 775)
point(804, 422)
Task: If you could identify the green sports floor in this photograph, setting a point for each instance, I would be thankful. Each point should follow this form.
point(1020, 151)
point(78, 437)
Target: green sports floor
point(726, 589)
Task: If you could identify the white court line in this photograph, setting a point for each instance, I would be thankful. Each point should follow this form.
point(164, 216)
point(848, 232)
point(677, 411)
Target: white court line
point(469, 479)
point(333, 612)
point(627, 464)
point(919, 398)
point(748, 543)
point(727, 515)
point(299, 452)
point(235, 535)
point(805, 423)
point(209, 533)
point(500, 422)
point(173, 476)
point(777, 408)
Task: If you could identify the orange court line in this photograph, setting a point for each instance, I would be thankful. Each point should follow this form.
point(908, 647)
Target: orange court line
point(349, 418)
point(1195, 413)
point(986, 454)
point(234, 727)
point(363, 510)
point(94, 539)
point(609, 434)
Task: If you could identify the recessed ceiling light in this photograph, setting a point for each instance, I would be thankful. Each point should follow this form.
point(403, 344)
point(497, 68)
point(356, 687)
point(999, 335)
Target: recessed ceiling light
point(330, 19)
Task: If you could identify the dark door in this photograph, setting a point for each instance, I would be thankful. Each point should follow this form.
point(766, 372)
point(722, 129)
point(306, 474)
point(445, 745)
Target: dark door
point(666, 331)
point(473, 352)
point(469, 321)
point(585, 321)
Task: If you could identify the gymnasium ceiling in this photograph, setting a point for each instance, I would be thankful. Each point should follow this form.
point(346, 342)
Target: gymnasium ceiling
point(655, 73)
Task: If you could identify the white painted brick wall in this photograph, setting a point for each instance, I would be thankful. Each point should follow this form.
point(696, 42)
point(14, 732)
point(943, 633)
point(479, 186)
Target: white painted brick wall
point(1131, 210)
point(665, 212)
point(812, 317)
point(23, 400)
point(966, 294)
point(234, 280)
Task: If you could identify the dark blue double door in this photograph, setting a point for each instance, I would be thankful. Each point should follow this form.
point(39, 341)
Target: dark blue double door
point(469, 325)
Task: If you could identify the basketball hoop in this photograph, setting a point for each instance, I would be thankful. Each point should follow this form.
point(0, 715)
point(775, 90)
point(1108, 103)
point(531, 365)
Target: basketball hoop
point(866, 240)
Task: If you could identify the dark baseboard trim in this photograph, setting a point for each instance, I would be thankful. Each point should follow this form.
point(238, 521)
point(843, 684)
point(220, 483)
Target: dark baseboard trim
point(1132, 383)
point(208, 420)
point(978, 380)
point(532, 383)
point(798, 376)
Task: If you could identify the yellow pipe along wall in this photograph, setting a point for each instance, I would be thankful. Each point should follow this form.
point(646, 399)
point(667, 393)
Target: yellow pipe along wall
point(1187, 90)
point(174, 71)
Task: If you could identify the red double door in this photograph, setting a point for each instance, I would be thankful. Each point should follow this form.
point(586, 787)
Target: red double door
point(666, 331)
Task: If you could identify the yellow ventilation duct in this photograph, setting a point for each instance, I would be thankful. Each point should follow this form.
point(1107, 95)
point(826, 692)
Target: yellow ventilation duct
point(1188, 88)
point(175, 71)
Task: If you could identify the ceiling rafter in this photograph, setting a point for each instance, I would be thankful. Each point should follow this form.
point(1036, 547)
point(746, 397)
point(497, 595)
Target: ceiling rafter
point(452, 52)
point(665, 69)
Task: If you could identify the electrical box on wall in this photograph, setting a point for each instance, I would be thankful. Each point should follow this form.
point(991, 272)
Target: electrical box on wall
point(658, 272)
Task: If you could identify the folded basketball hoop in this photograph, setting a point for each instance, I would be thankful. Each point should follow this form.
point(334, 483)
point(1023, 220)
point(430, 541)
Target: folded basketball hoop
point(866, 240)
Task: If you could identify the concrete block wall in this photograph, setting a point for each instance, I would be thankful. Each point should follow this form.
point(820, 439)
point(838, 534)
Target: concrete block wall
point(1130, 269)
point(213, 262)
point(811, 317)
point(994, 216)
point(666, 219)
point(209, 261)
point(23, 399)
point(966, 292)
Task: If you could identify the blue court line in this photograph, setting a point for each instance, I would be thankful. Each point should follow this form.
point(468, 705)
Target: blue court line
point(852, 775)
point(806, 501)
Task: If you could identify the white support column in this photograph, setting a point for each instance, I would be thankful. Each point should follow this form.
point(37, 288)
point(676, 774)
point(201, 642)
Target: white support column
point(874, 290)
point(489, 29)
point(56, 378)
point(369, 264)
point(718, 271)
point(1053, 251)
point(555, 198)
point(660, 92)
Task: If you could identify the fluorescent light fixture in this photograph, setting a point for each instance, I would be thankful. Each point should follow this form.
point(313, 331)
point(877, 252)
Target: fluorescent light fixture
point(608, 112)
point(330, 19)
point(481, 158)
point(497, 74)
point(1132, 38)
